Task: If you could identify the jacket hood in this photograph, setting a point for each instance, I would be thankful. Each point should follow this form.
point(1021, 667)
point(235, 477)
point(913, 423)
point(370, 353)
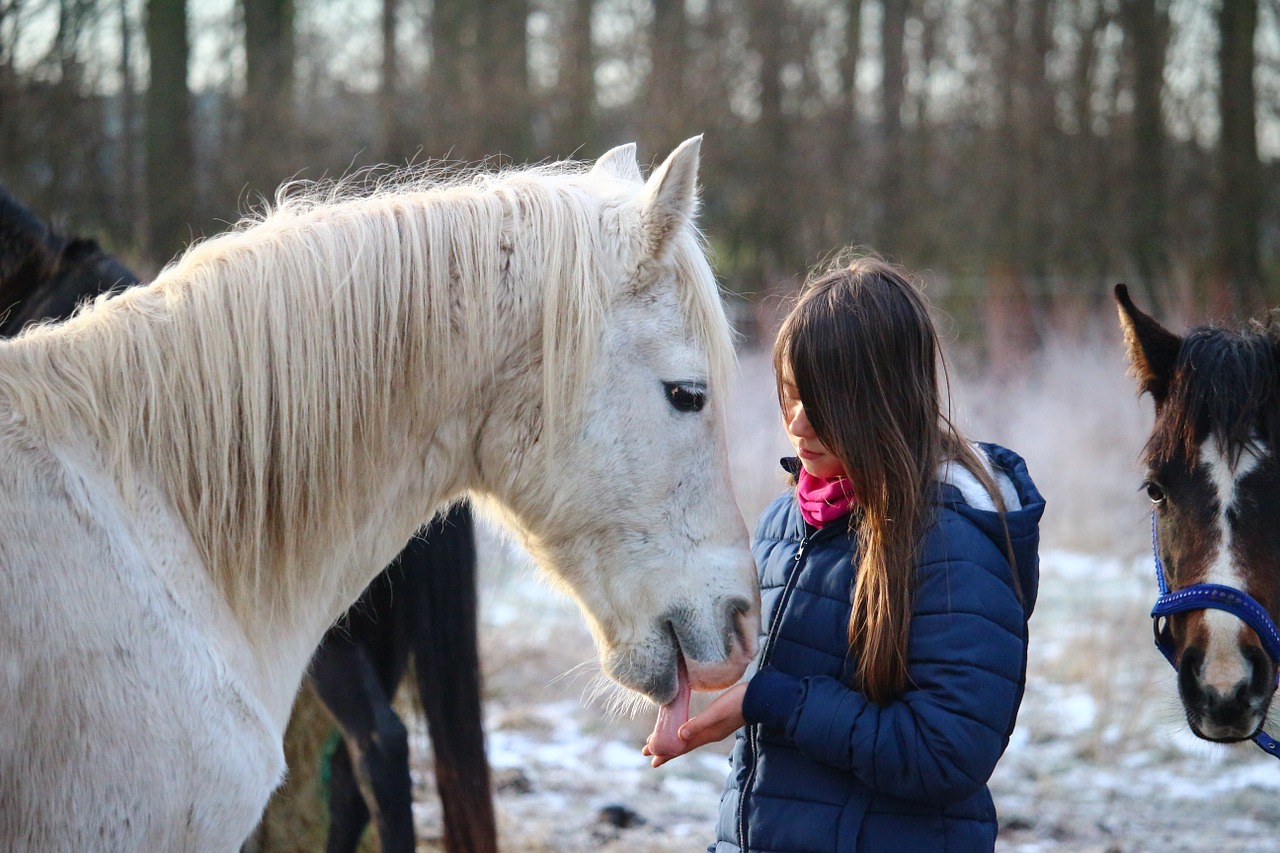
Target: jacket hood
point(1024, 509)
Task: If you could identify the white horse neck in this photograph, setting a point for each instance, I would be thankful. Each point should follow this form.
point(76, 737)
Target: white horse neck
point(303, 390)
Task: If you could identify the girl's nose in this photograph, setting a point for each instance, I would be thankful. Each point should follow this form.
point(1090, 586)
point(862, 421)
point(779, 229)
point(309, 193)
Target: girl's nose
point(800, 423)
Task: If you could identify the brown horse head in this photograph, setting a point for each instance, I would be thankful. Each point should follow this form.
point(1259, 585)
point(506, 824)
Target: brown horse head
point(1213, 478)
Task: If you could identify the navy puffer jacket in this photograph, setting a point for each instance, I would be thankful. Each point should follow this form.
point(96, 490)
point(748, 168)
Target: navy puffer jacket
point(818, 767)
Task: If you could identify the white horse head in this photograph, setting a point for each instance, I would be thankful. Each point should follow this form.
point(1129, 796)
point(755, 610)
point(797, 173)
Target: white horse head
point(630, 506)
point(200, 474)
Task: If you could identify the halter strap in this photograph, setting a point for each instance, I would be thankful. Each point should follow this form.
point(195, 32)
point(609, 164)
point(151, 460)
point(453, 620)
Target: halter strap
point(1214, 596)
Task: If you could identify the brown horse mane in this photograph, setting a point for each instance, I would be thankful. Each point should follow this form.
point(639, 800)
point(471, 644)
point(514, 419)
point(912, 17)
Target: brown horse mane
point(1225, 385)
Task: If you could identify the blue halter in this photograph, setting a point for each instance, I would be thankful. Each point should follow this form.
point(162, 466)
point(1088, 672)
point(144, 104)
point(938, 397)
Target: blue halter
point(1218, 597)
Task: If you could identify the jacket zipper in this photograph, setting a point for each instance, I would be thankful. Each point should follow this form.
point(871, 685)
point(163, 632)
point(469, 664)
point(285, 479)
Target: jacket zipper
point(752, 734)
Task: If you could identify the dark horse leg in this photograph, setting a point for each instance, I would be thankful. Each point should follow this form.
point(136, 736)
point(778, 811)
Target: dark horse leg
point(355, 673)
point(425, 601)
point(447, 664)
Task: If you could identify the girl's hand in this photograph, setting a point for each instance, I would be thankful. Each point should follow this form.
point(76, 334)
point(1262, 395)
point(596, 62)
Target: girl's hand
point(722, 718)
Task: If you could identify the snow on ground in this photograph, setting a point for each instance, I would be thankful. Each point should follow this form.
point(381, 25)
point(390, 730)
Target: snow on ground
point(1101, 760)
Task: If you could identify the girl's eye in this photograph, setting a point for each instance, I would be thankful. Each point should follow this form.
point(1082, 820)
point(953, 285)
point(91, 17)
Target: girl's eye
point(686, 397)
point(1155, 492)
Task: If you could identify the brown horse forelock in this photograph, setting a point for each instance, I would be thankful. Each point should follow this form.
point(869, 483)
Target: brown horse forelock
point(1226, 389)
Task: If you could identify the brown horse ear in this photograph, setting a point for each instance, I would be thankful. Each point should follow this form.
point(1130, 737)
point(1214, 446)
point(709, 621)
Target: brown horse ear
point(1153, 349)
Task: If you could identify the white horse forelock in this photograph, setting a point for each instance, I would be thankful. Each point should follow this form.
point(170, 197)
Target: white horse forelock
point(209, 382)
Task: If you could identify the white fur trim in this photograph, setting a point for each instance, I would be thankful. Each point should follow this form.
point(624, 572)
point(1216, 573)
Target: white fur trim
point(975, 494)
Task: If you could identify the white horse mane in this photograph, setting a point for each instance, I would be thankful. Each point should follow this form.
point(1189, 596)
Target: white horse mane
point(208, 382)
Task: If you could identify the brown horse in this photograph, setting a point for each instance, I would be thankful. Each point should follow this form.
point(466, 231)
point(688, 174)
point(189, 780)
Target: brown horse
point(1213, 478)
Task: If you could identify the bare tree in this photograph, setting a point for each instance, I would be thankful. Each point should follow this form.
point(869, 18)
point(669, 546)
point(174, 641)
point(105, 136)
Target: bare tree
point(576, 91)
point(452, 81)
point(128, 129)
point(390, 132)
point(1010, 317)
point(502, 57)
point(1238, 195)
point(1015, 144)
point(268, 93)
point(170, 161)
point(1146, 27)
point(768, 25)
point(848, 157)
point(666, 117)
point(893, 28)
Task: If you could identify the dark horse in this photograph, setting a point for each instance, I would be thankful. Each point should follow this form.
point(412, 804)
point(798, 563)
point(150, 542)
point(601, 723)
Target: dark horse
point(1213, 478)
point(44, 275)
point(423, 604)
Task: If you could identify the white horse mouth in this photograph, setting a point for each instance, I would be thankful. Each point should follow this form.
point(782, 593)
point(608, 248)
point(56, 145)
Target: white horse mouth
point(684, 653)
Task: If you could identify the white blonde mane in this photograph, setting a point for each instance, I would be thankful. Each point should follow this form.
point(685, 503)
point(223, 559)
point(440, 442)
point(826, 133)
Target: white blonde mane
point(257, 375)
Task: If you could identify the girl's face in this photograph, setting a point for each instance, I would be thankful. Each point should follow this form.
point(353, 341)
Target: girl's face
point(814, 456)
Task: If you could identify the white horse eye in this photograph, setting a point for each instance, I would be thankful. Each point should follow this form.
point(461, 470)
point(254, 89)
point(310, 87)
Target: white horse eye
point(686, 397)
point(1155, 492)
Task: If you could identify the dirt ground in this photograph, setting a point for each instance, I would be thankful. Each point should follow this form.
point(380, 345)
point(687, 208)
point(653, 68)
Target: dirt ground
point(1100, 763)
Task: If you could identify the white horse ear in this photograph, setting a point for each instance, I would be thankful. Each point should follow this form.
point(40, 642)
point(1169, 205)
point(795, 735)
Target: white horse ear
point(619, 163)
point(670, 196)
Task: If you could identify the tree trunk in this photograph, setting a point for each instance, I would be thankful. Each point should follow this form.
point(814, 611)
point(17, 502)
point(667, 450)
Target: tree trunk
point(577, 83)
point(170, 159)
point(848, 160)
point(772, 215)
point(504, 115)
point(451, 84)
point(268, 93)
point(1037, 147)
point(1146, 27)
point(390, 143)
point(1010, 330)
point(127, 232)
point(665, 118)
point(893, 28)
point(1239, 196)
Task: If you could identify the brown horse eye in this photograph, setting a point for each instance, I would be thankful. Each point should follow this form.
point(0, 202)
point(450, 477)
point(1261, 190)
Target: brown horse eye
point(1155, 492)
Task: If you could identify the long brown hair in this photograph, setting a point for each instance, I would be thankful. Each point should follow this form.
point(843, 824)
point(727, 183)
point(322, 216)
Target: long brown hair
point(862, 351)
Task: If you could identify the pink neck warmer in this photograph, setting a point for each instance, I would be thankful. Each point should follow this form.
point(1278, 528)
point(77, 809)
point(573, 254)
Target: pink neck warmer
point(822, 501)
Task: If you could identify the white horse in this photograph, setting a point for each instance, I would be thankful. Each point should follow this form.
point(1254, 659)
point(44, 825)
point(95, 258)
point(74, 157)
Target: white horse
point(198, 476)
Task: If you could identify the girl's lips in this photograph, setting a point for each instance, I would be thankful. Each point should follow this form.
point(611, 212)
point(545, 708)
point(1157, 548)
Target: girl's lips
point(809, 454)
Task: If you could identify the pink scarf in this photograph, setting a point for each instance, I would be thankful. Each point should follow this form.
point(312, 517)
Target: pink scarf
point(823, 501)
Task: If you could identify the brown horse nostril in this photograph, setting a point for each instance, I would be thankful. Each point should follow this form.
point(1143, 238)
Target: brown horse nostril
point(1232, 713)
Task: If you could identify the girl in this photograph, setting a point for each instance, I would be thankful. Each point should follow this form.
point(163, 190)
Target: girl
point(897, 579)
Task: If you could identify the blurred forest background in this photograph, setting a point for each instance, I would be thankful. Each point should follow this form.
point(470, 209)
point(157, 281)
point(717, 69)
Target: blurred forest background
point(1027, 153)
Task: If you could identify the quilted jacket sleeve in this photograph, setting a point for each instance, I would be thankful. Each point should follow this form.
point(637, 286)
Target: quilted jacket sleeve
point(940, 740)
